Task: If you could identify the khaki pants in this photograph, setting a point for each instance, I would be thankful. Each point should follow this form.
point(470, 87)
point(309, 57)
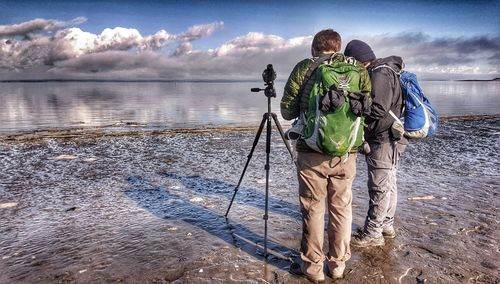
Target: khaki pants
point(325, 178)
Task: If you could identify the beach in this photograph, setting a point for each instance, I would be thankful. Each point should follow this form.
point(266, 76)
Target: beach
point(97, 205)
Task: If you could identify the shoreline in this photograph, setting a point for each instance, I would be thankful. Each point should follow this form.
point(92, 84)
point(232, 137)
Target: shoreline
point(136, 129)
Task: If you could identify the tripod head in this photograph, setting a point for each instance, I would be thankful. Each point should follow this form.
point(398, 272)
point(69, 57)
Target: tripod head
point(269, 75)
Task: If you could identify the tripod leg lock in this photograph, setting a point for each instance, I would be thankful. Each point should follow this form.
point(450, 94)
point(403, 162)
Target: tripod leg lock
point(265, 217)
point(266, 167)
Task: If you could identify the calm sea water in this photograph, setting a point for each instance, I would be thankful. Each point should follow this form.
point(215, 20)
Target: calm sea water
point(29, 106)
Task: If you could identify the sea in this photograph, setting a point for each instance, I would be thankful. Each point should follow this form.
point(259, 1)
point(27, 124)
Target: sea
point(29, 106)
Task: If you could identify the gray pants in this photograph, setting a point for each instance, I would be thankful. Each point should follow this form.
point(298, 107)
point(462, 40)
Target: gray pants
point(382, 164)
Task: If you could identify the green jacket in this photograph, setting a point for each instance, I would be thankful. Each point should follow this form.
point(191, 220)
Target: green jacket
point(292, 104)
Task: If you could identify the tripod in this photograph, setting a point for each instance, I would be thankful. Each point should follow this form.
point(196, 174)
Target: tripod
point(268, 75)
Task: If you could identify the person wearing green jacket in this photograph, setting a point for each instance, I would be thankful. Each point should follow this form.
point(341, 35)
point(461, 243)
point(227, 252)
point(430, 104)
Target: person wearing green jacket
point(321, 177)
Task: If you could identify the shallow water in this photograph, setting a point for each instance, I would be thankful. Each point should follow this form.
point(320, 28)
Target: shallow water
point(31, 106)
point(149, 208)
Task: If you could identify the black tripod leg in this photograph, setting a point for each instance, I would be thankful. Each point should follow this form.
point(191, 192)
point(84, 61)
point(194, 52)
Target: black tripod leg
point(280, 129)
point(268, 151)
point(256, 140)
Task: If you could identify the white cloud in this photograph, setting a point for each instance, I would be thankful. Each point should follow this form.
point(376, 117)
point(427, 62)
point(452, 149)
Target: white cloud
point(200, 31)
point(118, 38)
point(183, 48)
point(259, 42)
point(157, 41)
point(77, 41)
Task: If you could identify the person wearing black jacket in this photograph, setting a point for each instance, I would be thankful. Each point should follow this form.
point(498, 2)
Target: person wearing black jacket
point(385, 143)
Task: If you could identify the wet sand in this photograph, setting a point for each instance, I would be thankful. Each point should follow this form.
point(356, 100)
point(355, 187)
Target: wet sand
point(136, 206)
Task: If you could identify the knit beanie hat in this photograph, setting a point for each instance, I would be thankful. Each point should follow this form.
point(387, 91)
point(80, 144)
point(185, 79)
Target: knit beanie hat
point(359, 50)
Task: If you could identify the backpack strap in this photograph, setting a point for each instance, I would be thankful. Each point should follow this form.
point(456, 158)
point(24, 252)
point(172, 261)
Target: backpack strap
point(389, 67)
point(351, 60)
point(398, 74)
point(394, 116)
point(307, 80)
point(301, 120)
point(316, 63)
point(320, 60)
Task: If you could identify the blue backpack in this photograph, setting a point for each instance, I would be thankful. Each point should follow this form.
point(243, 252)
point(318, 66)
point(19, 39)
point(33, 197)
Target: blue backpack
point(419, 119)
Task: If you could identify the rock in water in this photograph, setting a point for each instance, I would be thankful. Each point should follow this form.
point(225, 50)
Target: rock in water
point(427, 197)
point(196, 199)
point(65, 157)
point(8, 205)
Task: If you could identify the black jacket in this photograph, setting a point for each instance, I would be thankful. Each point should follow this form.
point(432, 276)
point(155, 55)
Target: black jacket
point(386, 95)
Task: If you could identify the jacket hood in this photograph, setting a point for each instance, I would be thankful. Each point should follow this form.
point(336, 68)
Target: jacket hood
point(395, 62)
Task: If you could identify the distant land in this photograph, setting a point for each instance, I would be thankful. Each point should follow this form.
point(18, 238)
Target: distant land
point(477, 80)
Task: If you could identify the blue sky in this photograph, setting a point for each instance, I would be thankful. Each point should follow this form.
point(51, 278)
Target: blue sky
point(454, 22)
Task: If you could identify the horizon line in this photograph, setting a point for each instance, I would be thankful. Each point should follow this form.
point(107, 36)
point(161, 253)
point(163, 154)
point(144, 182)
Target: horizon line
point(184, 80)
point(131, 81)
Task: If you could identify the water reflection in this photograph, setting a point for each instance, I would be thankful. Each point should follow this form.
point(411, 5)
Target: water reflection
point(25, 106)
point(461, 97)
point(39, 105)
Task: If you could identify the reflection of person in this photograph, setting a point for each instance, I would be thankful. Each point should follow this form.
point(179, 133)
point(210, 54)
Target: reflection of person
point(321, 176)
point(386, 146)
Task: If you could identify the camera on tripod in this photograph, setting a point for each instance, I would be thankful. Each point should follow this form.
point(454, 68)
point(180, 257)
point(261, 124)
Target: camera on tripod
point(269, 75)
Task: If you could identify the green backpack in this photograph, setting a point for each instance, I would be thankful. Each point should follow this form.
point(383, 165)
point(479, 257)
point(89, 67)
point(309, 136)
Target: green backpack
point(333, 132)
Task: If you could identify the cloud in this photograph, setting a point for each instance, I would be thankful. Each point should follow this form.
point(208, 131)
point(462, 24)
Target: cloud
point(259, 42)
point(25, 54)
point(123, 53)
point(183, 48)
point(114, 52)
point(194, 33)
point(70, 43)
point(190, 65)
point(157, 41)
point(108, 61)
point(443, 55)
point(37, 26)
point(242, 58)
point(200, 31)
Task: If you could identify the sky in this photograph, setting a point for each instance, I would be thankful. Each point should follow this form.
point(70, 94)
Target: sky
point(235, 40)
